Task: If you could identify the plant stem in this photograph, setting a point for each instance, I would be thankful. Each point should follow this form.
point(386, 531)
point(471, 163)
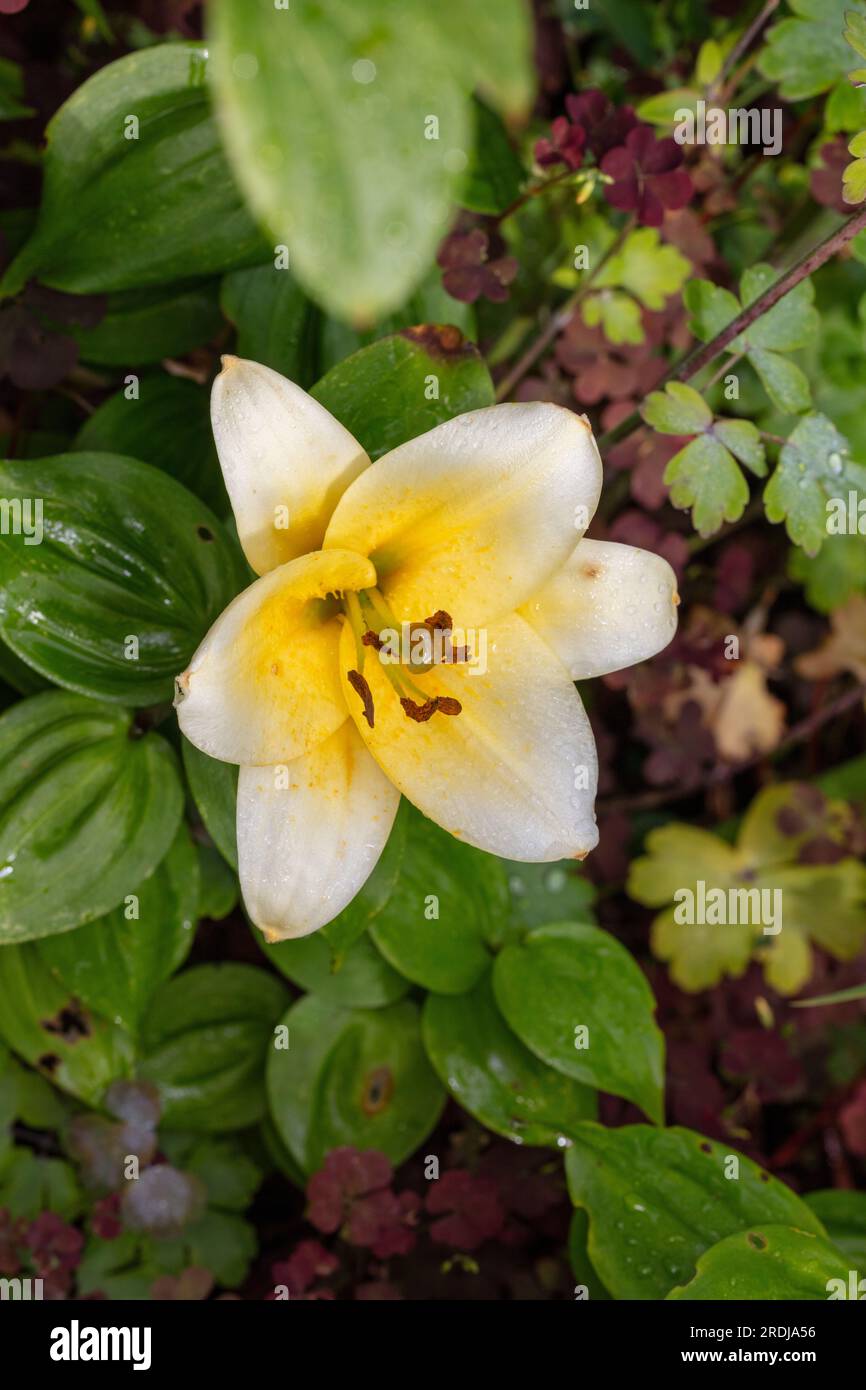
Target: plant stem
point(743, 44)
point(701, 356)
point(558, 319)
point(534, 192)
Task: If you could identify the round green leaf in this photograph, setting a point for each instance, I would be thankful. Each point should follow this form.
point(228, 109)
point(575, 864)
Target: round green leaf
point(382, 392)
point(214, 787)
point(115, 964)
point(433, 926)
point(205, 1036)
point(358, 978)
point(46, 1025)
point(769, 1263)
point(88, 811)
point(576, 998)
point(658, 1198)
point(352, 1077)
point(124, 205)
point(127, 556)
point(493, 1076)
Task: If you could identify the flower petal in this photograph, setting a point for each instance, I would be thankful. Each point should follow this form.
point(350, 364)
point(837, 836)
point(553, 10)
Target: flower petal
point(515, 771)
point(609, 607)
point(310, 833)
point(285, 460)
point(264, 685)
point(475, 515)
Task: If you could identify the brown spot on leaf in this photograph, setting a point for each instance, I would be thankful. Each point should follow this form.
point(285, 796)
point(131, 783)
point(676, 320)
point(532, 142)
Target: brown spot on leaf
point(439, 340)
point(49, 1061)
point(757, 1242)
point(378, 1090)
point(69, 1023)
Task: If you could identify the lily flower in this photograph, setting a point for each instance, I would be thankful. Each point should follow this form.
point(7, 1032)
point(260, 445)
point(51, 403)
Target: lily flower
point(467, 538)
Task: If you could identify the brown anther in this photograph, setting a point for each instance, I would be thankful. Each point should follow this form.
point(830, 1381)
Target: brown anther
point(445, 704)
point(361, 688)
point(440, 619)
point(372, 639)
point(458, 655)
point(420, 713)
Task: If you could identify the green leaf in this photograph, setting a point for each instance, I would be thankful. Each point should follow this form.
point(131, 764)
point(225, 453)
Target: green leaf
point(806, 53)
point(276, 323)
point(843, 1213)
point(845, 109)
point(767, 1262)
point(168, 425)
point(679, 409)
point(12, 108)
point(31, 1185)
point(618, 314)
point(814, 467)
point(495, 175)
point(658, 1198)
point(120, 212)
point(575, 996)
point(352, 1077)
point(854, 177)
point(223, 1243)
point(142, 326)
point(743, 439)
point(358, 978)
point(711, 308)
point(649, 269)
point(214, 787)
point(230, 1175)
point(790, 324)
point(544, 893)
point(218, 885)
point(205, 1037)
point(443, 907)
point(705, 477)
point(87, 812)
point(47, 1026)
point(578, 1255)
point(491, 1074)
point(127, 553)
point(661, 108)
point(784, 382)
point(404, 385)
point(429, 303)
point(326, 116)
point(116, 963)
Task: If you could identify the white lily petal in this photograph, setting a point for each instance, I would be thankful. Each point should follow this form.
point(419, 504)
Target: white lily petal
point(474, 516)
point(515, 772)
point(310, 834)
point(285, 459)
point(609, 607)
point(264, 686)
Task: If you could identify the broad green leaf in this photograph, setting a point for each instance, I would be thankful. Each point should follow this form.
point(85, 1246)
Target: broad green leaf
point(658, 1198)
point(649, 269)
point(429, 303)
point(326, 113)
point(445, 904)
point(814, 468)
point(544, 893)
point(142, 326)
point(275, 321)
point(661, 108)
point(31, 1185)
point(116, 963)
point(214, 787)
point(88, 811)
point(575, 996)
point(168, 425)
point(845, 109)
point(352, 1077)
point(806, 53)
point(404, 385)
point(129, 575)
point(768, 1263)
point(618, 314)
point(124, 207)
point(359, 978)
point(218, 885)
point(743, 439)
point(578, 1255)
point(833, 575)
point(491, 1074)
point(784, 382)
point(705, 477)
point(204, 1039)
point(679, 409)
point(47, 1026)
point(844, 1215)
point(351, 924)
point(495, 175)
